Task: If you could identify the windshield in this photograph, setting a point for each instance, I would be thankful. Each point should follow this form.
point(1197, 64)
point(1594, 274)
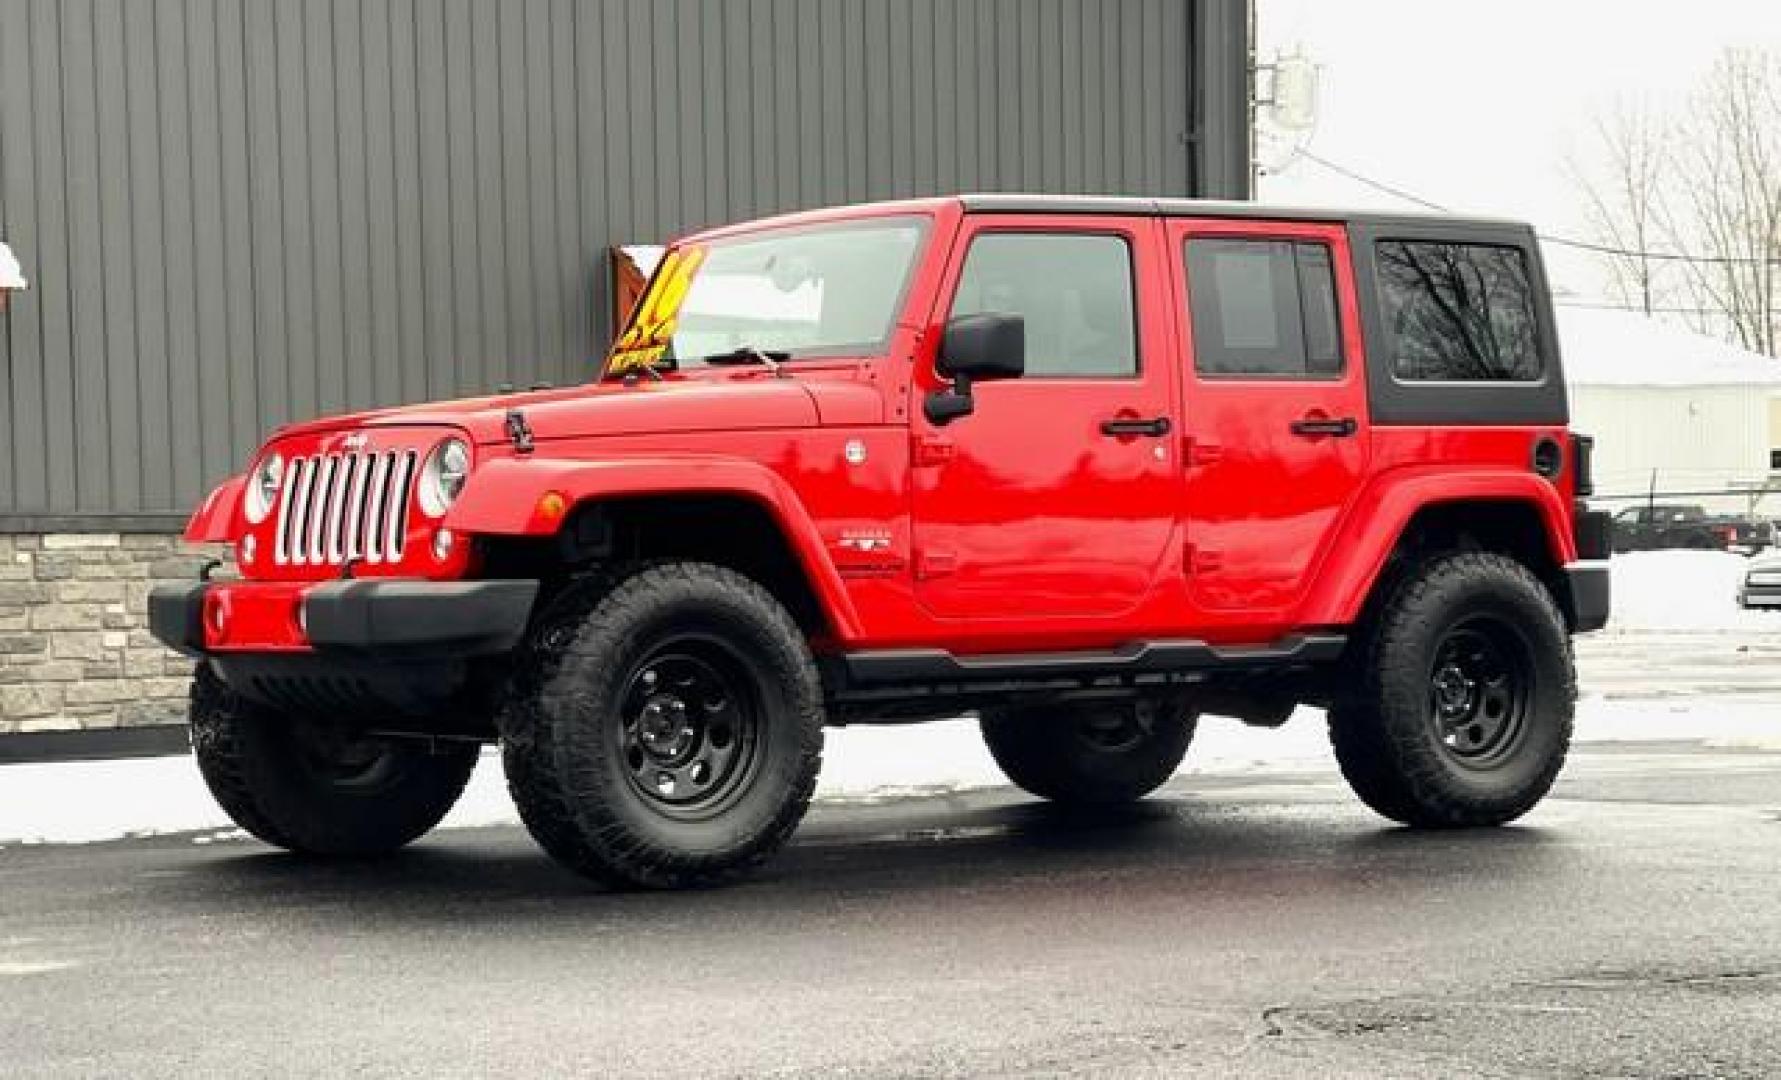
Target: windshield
point(802, 292)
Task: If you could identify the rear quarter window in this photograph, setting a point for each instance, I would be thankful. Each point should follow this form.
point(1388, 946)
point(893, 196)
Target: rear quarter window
point(1458, 312)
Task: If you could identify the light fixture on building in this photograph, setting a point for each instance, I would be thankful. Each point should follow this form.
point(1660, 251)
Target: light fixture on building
point(12, 275)
point(1284, 110)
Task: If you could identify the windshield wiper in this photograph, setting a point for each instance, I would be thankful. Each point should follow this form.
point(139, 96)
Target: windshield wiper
point(771, 359)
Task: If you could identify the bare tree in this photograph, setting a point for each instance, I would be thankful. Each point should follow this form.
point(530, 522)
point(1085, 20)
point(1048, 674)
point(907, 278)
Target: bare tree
point(1689, 209)
point(1626, 202)
point(1731, 172)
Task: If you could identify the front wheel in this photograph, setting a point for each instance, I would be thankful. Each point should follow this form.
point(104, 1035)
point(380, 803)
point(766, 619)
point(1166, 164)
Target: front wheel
point(1090, 753)
point(1464, 687)
point(665, 727)
point(310, 786)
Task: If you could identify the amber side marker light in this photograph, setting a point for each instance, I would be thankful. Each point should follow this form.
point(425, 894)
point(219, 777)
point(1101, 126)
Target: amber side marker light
point(552, 506)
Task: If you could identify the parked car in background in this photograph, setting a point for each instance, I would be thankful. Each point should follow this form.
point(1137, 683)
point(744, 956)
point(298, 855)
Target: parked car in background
point(1761, 587)
point(1659, 526)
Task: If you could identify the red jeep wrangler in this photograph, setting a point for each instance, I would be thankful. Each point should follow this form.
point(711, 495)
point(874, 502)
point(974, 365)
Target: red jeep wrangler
point(1087, 467)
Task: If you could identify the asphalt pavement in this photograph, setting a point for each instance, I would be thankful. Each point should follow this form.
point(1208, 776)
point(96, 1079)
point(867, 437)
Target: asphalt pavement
point(1259, 925)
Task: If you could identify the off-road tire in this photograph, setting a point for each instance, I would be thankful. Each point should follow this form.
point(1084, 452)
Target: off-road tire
point(565, 726)
point(264, 779)
point(1048, 750)
point(1386, 727)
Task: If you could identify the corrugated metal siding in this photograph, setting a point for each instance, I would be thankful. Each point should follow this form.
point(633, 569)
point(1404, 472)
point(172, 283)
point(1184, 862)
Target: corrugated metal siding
point(1696, 438)
point(236, 213)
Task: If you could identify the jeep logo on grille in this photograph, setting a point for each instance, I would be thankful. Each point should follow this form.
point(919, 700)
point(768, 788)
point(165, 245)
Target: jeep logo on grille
point(358, 440)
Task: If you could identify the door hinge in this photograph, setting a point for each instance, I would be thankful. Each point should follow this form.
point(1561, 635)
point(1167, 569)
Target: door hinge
point(933, 564)
point(1196, 453)
point(931, 450)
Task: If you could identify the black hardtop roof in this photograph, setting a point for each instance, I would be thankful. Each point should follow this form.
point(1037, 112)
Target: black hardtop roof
point(1010, 203)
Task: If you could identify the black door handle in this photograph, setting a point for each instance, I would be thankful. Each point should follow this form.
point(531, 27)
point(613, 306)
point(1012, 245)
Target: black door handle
point(1156, 428)
point(1313, 426)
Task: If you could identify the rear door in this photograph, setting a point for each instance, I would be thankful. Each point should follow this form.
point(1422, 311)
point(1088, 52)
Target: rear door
point(1274, 408)
point(1057, 496)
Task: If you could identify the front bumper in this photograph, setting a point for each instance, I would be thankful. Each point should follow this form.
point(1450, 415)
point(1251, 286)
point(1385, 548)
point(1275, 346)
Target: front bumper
point(392, 618)
point(1588, 583)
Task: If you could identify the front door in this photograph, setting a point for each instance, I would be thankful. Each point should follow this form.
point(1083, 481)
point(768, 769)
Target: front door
point(1058, 495)
point(1275, 409)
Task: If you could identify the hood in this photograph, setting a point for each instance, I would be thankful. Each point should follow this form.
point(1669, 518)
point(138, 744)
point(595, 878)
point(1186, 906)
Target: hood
point(706, 404)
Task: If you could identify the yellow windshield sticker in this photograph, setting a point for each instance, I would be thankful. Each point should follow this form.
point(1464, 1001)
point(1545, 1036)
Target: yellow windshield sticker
point(652, 326)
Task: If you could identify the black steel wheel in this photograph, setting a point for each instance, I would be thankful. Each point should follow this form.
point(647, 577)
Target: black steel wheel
point(1461, 689)
point(1089, 753)
point(1479, 689)
point(690, 727)
point(664, 726)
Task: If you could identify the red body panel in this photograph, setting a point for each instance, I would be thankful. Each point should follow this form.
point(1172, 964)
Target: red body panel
point(1021, 527)
point(1025, 510)
point(216, 520)
point(259, 617)
point(1262, 502)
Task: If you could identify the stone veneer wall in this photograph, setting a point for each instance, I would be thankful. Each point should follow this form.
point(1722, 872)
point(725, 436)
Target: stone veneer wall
point(75, 651)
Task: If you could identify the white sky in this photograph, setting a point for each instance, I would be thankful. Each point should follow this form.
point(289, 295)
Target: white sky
point(1477, 106)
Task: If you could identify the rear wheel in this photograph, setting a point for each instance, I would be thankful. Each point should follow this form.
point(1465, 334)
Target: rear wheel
point(315, 787)
point(1462, 705)
point(1089, 754)
point(665, 728)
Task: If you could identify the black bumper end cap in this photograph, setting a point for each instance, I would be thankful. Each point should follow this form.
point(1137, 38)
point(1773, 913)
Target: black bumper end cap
point(176, 617)
point(1590, 595)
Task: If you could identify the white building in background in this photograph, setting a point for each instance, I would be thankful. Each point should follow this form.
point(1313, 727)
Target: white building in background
point(1691, 412)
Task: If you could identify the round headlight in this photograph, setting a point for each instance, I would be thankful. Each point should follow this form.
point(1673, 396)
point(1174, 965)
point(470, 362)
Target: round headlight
point(262, 488)
point(443, 476)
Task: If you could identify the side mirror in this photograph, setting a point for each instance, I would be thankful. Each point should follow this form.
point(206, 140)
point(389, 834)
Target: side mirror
point(973, 348)
point(988, 346)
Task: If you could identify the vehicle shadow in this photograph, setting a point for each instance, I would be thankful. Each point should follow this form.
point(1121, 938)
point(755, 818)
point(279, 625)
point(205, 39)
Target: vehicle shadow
point(899, 854)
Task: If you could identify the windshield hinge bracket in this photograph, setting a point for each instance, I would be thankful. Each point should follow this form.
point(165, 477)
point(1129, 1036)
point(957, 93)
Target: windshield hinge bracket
point(518, 431)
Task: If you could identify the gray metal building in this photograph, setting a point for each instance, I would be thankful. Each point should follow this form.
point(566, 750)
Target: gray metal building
point(239, 212)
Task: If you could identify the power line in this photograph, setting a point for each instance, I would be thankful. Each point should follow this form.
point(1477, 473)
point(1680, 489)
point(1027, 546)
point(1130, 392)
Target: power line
point(1378, 185)
point(1563, 241)
point(1659, 256)
point(1610, 305)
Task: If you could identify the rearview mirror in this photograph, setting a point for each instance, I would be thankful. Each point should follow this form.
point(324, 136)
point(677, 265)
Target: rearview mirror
point(987, 346)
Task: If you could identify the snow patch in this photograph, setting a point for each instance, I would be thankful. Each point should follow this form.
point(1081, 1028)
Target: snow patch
point(1622, 348)
point(29, 967)
point(1682, 590)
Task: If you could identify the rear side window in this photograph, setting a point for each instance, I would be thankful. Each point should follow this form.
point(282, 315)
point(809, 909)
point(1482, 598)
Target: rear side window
point(1263, 308)
point(1074, 290)
point(1458, 312)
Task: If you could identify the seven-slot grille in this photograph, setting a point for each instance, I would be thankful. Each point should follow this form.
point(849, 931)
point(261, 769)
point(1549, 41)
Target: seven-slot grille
point(340, 507)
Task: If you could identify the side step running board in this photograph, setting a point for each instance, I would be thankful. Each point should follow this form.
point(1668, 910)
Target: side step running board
point(898, 666)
